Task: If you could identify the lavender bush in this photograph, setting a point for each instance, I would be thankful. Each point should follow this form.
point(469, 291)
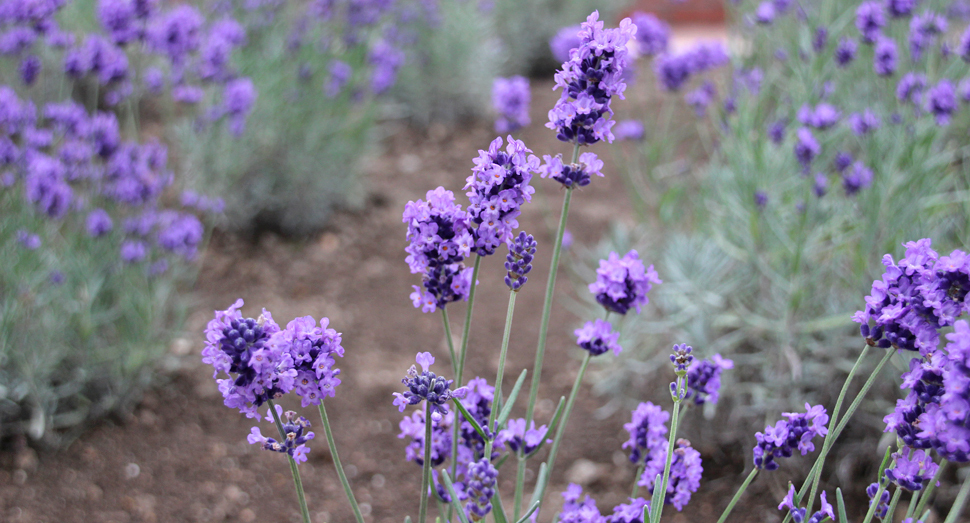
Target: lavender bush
point(822, 153)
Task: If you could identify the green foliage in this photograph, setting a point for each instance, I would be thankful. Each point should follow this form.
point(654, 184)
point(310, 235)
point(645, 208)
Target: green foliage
point(775, 288)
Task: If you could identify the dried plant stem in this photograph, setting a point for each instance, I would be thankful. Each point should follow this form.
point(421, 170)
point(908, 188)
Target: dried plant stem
point(426, 466)
point(336, 463)
point(737, 495)
point(297, 481)
point(501, 373)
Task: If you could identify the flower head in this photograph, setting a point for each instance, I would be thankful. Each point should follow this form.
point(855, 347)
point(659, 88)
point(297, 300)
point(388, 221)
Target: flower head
point(518, 262)
point(704, 379)
point(652, 34)
point(685, 474)
point(648, 429)
point(870, 19)
point(510, 99)
point(623, 283)
point(427, 386)
point(496, 190)
point(884, 61)
point(797, 432)
point(480, 487)
point(571, 175)
point(597, 337)
point(845, 52)
point(295, 436)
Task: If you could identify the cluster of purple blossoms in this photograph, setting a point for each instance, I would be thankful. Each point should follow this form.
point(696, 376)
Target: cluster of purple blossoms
point(941, 102)
point(857, 178)
point(516, 437)
point(653, 34)
point(632, 130)
point(910, 88)
point(821, 117)
point(518, 262)
point(797, 432)
point(765, 13)
point(798, 514)
point(806, 147)
point(925, 382)
point(916, 298)
point(923, 31)
point(673, 71)
point(886, 54)
point(413, 427)
point(648, 429)
point(496, 190)
point(576, 511)
point(820, 39)
point(845, 51)
point(700, 98)
point(911, 469)
point(870, 19)
point(427, 386)
point(900, 8)
point(480, 486)
point(269, 362)
point(572, 175)
point(882, 507)
point(295, 435)
point(685, 473)
point(439, 242)
point(510, 99)
point(589, 79)
point(865, 122)
point(704, 379)
point(631, 512)
point(564, 41)
point(597, 337)
point(947, 423)
point(623, 283)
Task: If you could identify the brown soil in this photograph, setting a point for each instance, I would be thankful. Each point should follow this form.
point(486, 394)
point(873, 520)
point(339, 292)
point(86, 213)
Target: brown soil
point(183, 456)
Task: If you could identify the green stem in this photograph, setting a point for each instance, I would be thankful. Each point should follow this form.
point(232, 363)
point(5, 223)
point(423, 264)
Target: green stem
point(827, 442)
point(892, 504)
point(519, 485)
point(958, 503)
point(451, 343)
point(547, 308)
point(925, 496)
point(501, 373)
point(426, 466)
point(913, 501)
point(557, 439)
point(674, 422)
point(336, 463)
point(636, 481)
point(297, 481)
point(737, 495)
point(468, 323)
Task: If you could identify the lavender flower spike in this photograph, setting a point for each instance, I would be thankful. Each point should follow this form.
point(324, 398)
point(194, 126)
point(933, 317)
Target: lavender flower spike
point(429, 387)
point(704, 379)
point(571, 175)
point(648, 429)
point(496, 190)
point(296, 436)
point(510, 99)
point(780, 440)
point(518, 262)
point(623, 283)
point(480, 488)
point(597, 337)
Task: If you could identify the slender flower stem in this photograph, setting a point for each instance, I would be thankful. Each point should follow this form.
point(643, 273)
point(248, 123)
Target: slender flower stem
point(557, 439)
point(468, 323)
point(892, 504)
point(547, 308)
point(913, 501)
point(674, 423)
point(636, 480)
point(519, 485)
point(958, 503)
point(501, 373)
point(336, 463)
point(827, 442)
point(926, 493)
point(451, 342)
point(737, 495)
point(297, 481)
point(426, 465)
point(833, 435)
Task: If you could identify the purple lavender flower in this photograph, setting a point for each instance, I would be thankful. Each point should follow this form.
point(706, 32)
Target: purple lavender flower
point(941, 100)
point(682, 360)
point(911, 469)
point(574, 511)
point(340, 73)
point(177, 33)
point(480, 487)
point(845, 52)
point(704, 379)
point(856, 179)
point(648, 429)
point(760, 199)
point(685, 474)
point(598, 337)
point(915, 298)
point(441, 433)
point(187, 94)
point(516, 437)
point(864, 122)
point(653, 34)
point(497, 188)
point(154, 80)
point(797, 432)
point(923, 30)
point(884, 61)
point(386, 59)
point(701, 97)
point(798, 514)
point(776, 131)
point(963, 90)
point(29, 69)
point(947, 424)
point(883, 503)
point(589, 80)
point(429, 387)
point(821, 184)
point(478, 402)
point(572, 175)
point(765, 13)
point(118, 18)
point(900, 8)
point(821, 117)
point(672, 71)
point(806, 147)
point(224, 36)
point(870, 19)
point(633, 129)
point(622, 283)
point(564, 41)
point(294, 443)
point(510, 99)
point(28, 241)
point(99, 223)
point(439, 241)
point(238, 97)
point(910, 88)
point(963, 48)
point(631, 512)
point(518, 262)
point(820, 39)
